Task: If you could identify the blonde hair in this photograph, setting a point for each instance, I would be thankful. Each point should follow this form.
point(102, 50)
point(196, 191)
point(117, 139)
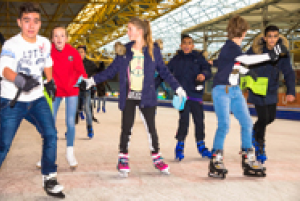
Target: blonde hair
point(58, 27)
point(146, 27)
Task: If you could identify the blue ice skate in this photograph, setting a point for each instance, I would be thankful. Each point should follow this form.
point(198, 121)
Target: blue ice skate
point(203, 150)
point(179, 151)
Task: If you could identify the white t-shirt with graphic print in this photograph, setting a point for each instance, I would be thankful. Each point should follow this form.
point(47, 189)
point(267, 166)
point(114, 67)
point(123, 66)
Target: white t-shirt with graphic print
point(28, 58)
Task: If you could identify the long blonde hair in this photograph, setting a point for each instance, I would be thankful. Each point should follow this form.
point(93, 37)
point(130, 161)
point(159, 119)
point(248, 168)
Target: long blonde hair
point(146, 27)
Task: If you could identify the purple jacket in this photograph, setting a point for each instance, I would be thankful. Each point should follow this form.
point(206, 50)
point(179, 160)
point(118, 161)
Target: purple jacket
point(121, 65)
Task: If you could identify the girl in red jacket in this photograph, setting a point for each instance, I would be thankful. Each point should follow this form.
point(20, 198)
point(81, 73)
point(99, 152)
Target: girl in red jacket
point(67, 68)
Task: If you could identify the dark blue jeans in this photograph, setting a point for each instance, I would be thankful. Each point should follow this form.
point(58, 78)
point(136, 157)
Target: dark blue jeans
point(37, 112)
point(87, 106)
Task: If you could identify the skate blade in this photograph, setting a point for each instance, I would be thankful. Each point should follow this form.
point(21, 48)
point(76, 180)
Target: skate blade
point(74, 167)
point(179, 159)
point(165, 172)
point(218, 175)
point(255, 174)
point(123, 174)
point(60, 195)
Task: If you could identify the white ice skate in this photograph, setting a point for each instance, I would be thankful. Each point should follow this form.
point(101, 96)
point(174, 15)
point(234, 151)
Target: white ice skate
point(38, 165)
point(71, 158)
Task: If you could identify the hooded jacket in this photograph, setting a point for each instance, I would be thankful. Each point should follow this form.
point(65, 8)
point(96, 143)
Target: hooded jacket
point(121, 65)
point(186, 68)
point(271, 71)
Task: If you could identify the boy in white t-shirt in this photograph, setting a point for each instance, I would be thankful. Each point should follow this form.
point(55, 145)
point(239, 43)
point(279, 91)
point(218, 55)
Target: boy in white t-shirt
point(23, 59)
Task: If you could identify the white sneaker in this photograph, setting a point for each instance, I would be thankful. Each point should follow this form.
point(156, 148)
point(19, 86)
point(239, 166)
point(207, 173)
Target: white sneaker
point(38, 165)
point(71, 158)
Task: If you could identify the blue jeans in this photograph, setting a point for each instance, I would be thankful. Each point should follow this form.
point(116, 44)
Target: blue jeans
point(103, 99)
point(39, 112)
point(71, 106)
point(234, 102)
point(87, 106)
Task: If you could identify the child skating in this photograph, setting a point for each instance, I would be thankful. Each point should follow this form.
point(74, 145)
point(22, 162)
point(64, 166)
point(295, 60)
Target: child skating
point(191, 69)
point(228, 97)
point(23, 59)
point(67, 68)
point(265, 106)
point(136, 65)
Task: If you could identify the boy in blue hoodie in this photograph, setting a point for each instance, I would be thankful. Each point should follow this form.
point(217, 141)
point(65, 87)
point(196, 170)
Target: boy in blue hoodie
point(191, 70)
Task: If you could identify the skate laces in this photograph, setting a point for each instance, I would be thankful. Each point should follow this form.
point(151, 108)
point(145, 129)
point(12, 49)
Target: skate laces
point(249, 158)
point(218, 161)
point(203, 150)
point(158, 161)
point(180, 146)
point(123, 161)
point(51, 182)
point(201, 146)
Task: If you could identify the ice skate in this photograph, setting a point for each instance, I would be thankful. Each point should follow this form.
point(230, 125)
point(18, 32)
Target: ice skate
point(71, 158)
point(52, 187)
point(123, 166)
point(179, 151)
point(90, 131)
point(203, 150)
point(159, 164)
point(250, 166)
point(216, 166)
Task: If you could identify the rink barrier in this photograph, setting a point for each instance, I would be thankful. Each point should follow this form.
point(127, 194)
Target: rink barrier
point(287, 113)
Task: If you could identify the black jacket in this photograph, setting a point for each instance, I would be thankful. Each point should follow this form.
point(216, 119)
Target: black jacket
point(90, 67)
point(186, 68)
point(271, 70)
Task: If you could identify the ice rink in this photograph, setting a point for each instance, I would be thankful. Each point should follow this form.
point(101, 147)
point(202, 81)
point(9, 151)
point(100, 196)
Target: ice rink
point(96, 177)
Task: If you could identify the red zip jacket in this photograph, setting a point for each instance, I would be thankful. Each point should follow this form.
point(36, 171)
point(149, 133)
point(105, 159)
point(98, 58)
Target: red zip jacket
point(67, 68)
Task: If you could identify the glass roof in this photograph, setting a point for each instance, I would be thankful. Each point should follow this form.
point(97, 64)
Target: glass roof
point(169, 27)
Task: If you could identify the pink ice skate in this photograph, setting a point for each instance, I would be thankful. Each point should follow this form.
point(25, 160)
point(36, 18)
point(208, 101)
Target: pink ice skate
point(159, 164)
point(123, 166)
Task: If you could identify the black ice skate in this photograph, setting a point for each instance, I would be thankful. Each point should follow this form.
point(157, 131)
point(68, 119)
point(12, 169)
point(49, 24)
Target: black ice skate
point(250, 166)
point(216, 166)
point(52, 187)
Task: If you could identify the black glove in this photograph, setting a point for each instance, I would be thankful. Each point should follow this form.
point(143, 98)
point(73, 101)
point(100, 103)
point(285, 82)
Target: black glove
point(51, 89)
point(278, 50)
point(253, 74)
point(25, 82)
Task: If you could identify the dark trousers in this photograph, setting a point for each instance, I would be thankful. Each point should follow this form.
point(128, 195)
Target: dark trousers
point(128, 116)
point(196, 108)
point(266, 114)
